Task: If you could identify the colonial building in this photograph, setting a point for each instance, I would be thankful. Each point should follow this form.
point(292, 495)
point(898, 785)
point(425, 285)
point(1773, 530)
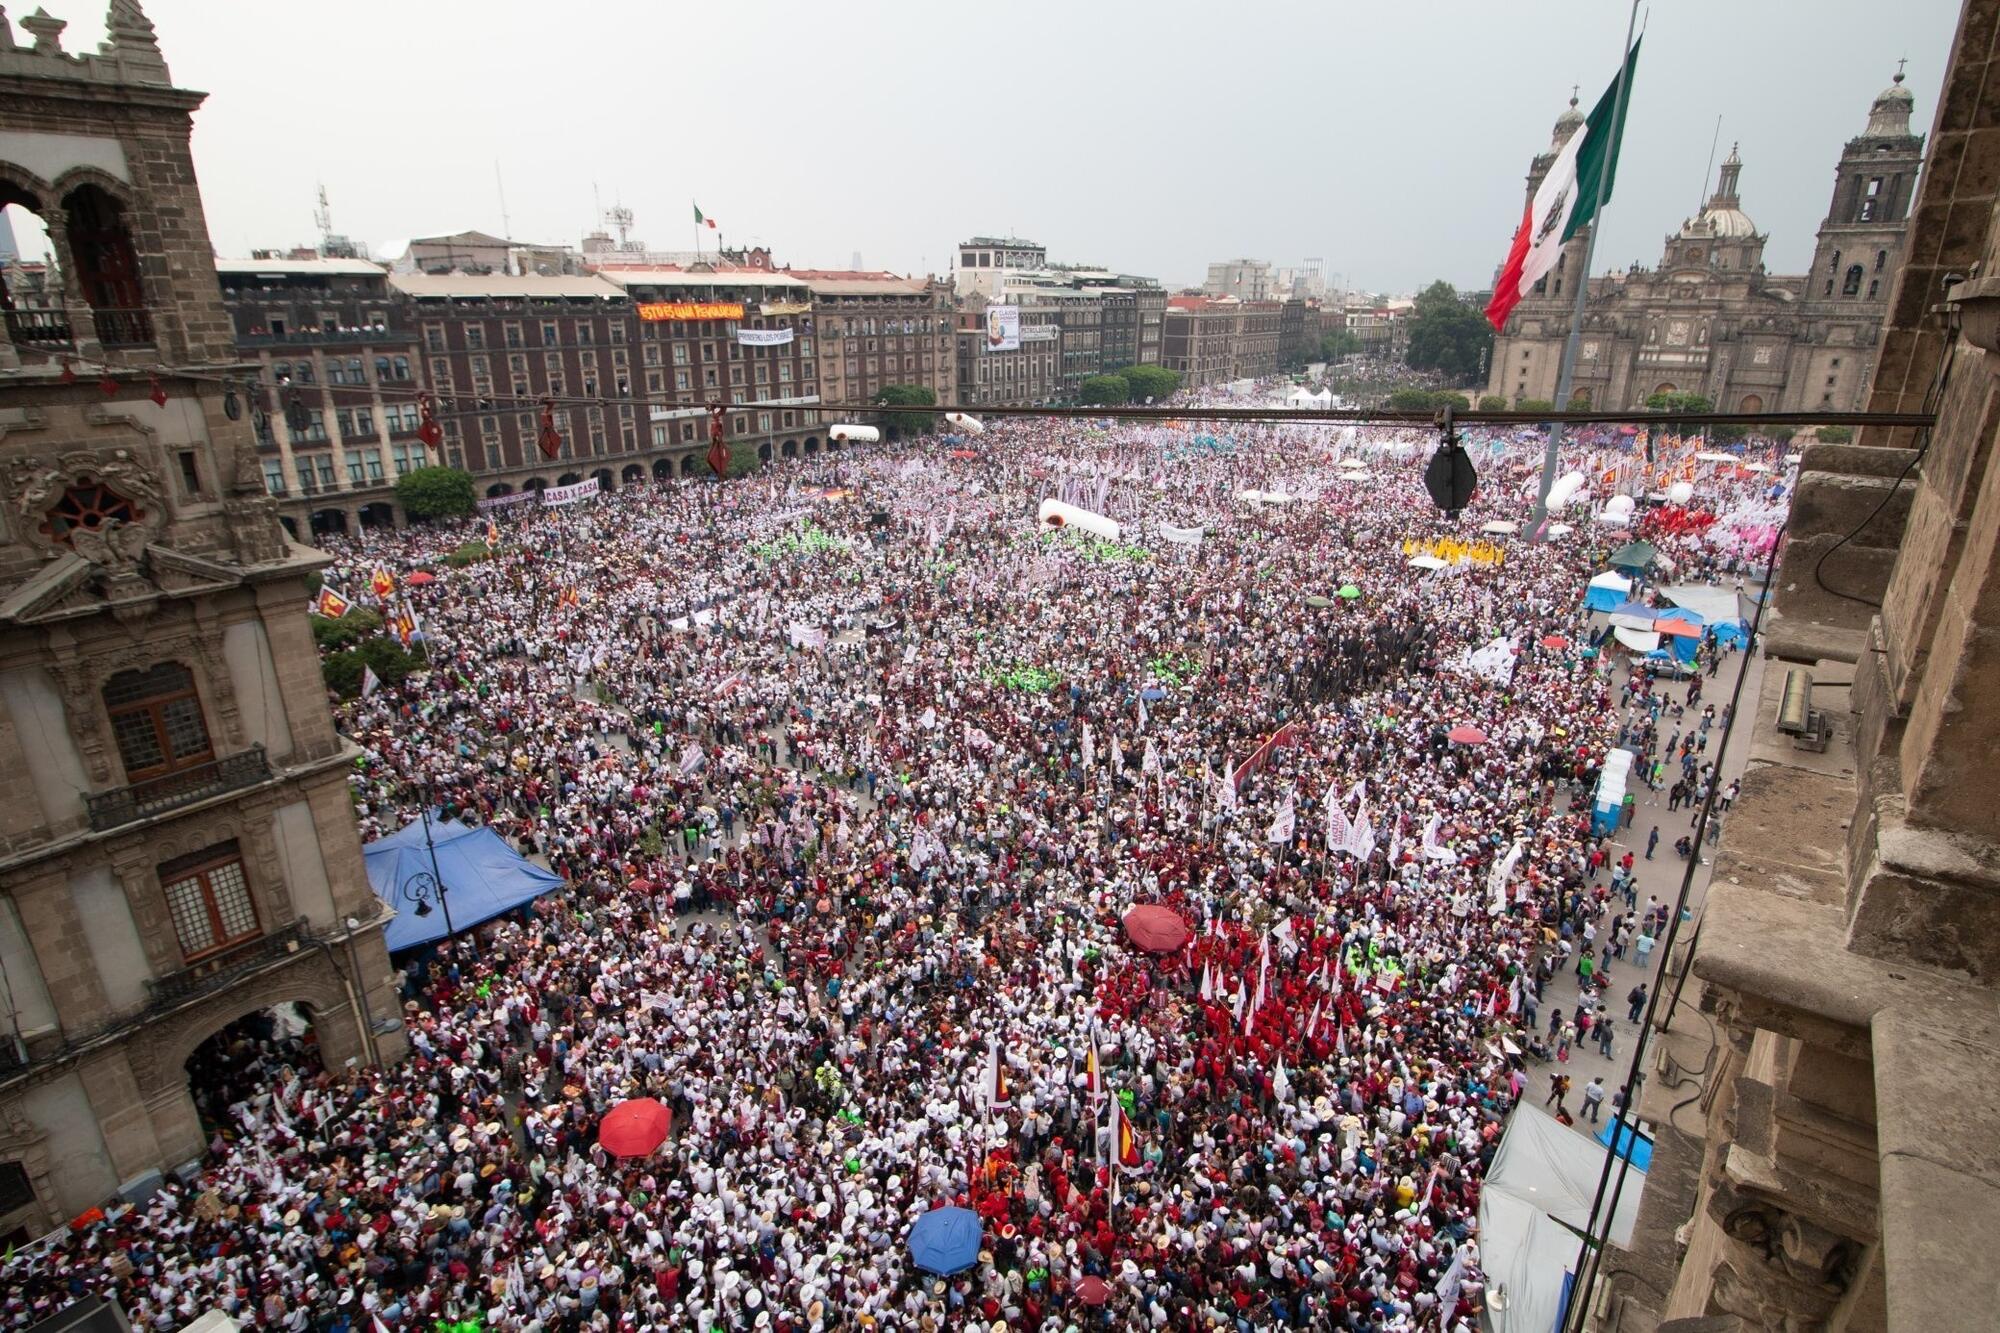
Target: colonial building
point(982, 263)
point(1820, 1160)
point(1254, 353)
point(1025, 376)
point(1198, 339)
point(178, 849)
point(333, 400)
point(876, 329)
point(732, 335)
point(1709, 319)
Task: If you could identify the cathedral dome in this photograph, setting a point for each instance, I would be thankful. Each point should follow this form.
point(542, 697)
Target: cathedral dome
point(1724, 218)
point(1727, 223)
point(1568, 123)
point(1890, 115)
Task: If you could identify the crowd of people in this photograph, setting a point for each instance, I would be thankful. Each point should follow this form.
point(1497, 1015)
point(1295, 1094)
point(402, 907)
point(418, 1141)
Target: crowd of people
point(852, 770)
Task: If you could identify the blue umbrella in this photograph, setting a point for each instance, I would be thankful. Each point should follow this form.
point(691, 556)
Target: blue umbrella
point(945, 1241)
point(1152, 695)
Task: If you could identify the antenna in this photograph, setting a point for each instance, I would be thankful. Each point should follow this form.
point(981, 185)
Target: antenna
point(1703, 201)
point(323, 216)
point(499, 183)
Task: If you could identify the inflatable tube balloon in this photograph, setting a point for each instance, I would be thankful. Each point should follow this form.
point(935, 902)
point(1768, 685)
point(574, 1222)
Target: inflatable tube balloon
point(1056, 515)
point(855, 434)
point(971, 425)
point(1568, 486)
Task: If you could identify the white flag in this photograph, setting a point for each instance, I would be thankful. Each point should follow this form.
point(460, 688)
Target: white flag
point(1117, 754)
point(1285, 823)
point(1207, 982)
point(1089, 747)
point(927, 719)
point(1363, 841)
point(1502, 872)
point(370, 682)
point(1150, 763)
point(1338, 830)
point(1142, 710)
point(691, 759)
point(1225, 797)
point(1281, 1082)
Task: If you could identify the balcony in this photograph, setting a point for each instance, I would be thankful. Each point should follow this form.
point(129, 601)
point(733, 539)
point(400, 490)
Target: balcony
point(124, 328)
point(38, 328)
point(259, 337)
point(156, 796)
point(221, 970)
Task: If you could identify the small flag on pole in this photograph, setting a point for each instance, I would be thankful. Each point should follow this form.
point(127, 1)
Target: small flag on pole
point(370, 682)
point(702, 221)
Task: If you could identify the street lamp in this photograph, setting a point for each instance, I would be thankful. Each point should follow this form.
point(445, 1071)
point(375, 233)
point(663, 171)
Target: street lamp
point(423, 886)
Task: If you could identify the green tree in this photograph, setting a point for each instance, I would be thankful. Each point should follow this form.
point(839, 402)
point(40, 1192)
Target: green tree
point(1104, 389)
point(743, 460)
point(1835, 435)
point(332, 635)
point(906, 424)
point(435, 492)
point(1534, 405)
point(1457, 402)
point(1413, 400)
point(1337, 343)
point(1492, 402)
point(1447, 335)
point(1678, 403)
point(1154, 383)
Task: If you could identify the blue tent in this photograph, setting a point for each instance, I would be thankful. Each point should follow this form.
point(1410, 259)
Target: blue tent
point(483, 878)
point(1631, 1143)
point(945, 1241)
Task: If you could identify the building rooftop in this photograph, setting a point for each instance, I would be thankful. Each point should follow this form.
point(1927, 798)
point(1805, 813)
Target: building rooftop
point(501, 286)
point(678, 277)
point(278, 268)
point(834, 283)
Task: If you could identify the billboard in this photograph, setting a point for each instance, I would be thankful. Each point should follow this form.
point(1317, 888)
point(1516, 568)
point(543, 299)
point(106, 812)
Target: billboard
point(655, 311)
point(1003, 328)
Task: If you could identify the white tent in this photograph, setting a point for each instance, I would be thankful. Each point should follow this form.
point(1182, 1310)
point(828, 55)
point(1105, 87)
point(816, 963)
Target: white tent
point(1532, 1212)
point(1428, 562)
point(1500, 527)
point(1560, 529)
point(1711, 456)
point(1711, 604)
point(1638, 640)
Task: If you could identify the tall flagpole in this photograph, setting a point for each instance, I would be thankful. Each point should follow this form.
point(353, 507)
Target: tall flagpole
point(1566, 378)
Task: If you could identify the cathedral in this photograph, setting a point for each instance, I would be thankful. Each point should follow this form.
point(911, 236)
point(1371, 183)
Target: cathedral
point(1708, 319)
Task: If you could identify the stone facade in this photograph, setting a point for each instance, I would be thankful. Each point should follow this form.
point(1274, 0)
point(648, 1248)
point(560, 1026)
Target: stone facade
point(1709, 319)
point(177, 842)
point(1834, 1168)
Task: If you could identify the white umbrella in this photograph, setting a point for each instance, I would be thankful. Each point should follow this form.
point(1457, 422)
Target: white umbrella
point(1501, 525)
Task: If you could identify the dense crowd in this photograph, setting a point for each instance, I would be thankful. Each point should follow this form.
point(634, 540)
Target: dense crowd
point(851, 770)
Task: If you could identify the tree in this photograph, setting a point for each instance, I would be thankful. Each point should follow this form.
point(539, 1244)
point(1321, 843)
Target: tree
point(1492, 402)
point(1534, 405)
point(1413, 400)
point(435, 492)
point(389, 660)
point(1154, 383)
point(1447, 335)
point(334, 634)
point(1337, 343)
point(1104, 389)
point(743, 460)
point(907, 395)
point(1678, 403)
point(1835, 435)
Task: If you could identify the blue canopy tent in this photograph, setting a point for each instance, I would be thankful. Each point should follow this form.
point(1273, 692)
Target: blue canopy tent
point(945, 1241)
point(1606, 591)
point(1631, 1143)
point(483, 878)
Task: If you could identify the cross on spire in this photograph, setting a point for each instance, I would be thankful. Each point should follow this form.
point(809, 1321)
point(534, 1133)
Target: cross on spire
point(1899, 68)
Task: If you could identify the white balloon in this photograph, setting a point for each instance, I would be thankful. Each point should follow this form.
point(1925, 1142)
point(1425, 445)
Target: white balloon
point(1681, 492)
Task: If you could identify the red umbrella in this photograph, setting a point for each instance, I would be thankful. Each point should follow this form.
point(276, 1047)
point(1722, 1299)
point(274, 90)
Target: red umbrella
point(1093, 1291)
point(1466, 734)
point(1555, 641)
point(636, 1128)
point(420, 578)
point(1156, 929)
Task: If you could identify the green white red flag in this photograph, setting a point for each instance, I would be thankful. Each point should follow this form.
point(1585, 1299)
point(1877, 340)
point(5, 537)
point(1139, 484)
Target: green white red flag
point(1566, 200)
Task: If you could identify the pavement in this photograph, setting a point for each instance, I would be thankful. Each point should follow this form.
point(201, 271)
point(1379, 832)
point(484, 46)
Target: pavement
point(1658, 878)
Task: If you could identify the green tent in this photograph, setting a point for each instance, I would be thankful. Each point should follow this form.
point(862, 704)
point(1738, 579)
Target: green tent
point(1316, 601)
point(1634, 555)
point(1349, 591)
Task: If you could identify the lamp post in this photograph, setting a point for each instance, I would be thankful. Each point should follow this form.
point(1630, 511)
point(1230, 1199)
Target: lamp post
point(423, 886)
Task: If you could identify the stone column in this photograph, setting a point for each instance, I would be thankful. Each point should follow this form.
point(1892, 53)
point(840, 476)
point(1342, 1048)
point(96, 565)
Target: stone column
point(69, 969)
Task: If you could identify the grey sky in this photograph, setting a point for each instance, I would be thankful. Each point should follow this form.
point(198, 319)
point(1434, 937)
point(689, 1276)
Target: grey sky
point(1389, 139)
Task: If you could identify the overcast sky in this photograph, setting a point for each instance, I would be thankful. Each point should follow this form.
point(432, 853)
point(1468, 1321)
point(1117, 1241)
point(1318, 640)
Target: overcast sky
point(1390, 140)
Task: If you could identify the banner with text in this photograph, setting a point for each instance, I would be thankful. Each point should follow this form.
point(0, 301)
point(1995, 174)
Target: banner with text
point(1003, 328)
point(569, 495)
point(763, 337)
point(507, 501)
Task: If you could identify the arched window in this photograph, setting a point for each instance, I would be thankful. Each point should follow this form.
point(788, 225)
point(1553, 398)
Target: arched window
point(156, 720)
point(88, 504)
point(1851, 285)
point(1881, 258)
point(107, 267)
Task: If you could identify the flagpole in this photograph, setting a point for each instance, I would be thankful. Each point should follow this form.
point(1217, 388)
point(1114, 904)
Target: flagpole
point(1566, 377)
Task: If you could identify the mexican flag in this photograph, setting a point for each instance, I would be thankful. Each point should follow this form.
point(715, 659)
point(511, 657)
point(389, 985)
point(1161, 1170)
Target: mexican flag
point(1566, 200)
point(701, 221)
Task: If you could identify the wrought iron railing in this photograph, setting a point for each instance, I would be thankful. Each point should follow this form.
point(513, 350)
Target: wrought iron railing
point(38, 328)
point(155, 796)
point(220, 970)
point(123, 328)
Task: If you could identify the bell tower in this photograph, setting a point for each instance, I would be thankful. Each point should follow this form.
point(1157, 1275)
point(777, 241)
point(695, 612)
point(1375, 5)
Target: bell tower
point(1861, 242)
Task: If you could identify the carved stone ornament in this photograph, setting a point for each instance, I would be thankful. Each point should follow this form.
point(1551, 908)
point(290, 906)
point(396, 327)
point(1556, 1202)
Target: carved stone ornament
point(38, 484)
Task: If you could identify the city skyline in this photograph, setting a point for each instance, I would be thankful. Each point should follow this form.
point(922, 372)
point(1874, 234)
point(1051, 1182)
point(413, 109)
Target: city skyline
point(911, 182)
